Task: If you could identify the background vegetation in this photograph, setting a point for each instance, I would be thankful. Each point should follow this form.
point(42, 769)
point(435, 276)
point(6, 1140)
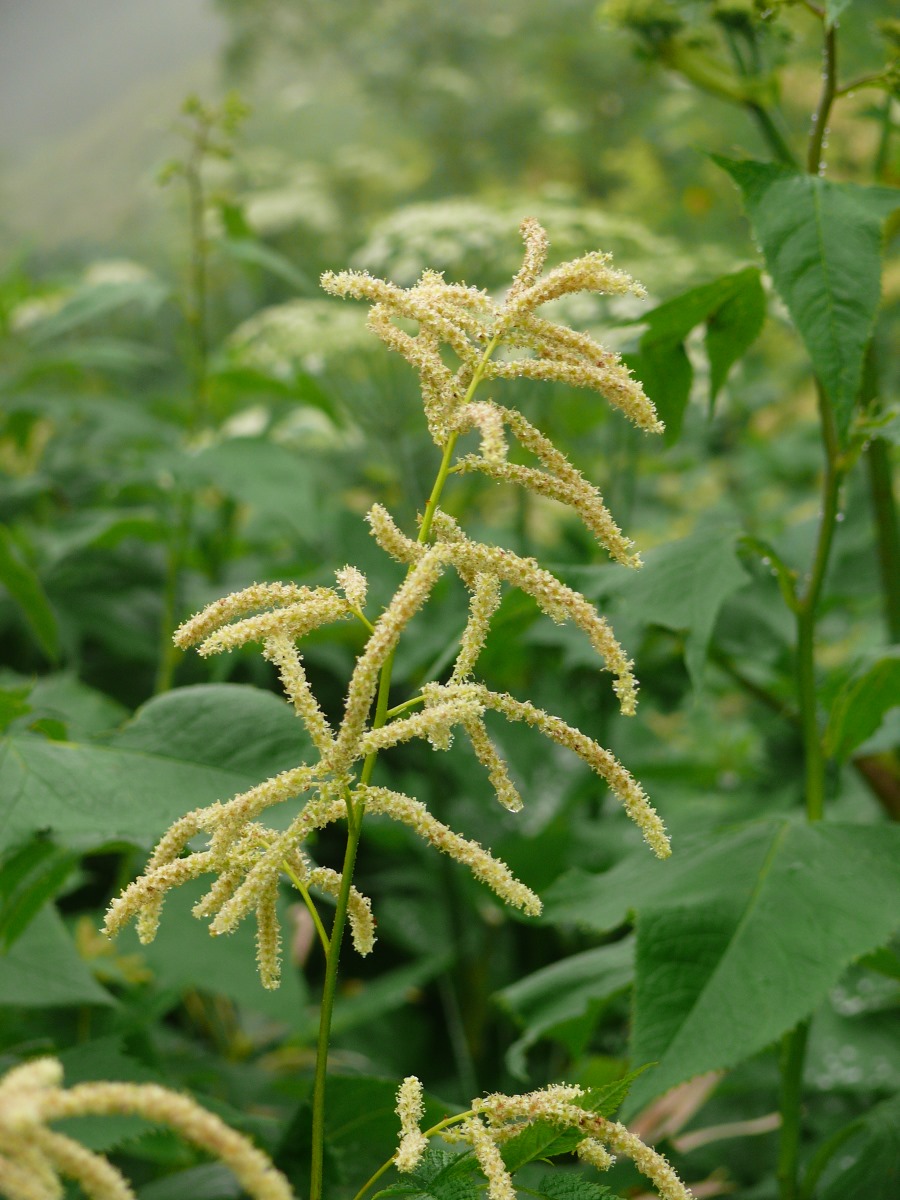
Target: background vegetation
point(184, 413)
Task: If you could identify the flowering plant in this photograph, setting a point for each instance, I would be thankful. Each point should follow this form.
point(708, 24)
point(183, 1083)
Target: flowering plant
point(248, 857)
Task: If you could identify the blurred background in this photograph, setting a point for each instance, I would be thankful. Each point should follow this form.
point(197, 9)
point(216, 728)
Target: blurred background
point(184, 412)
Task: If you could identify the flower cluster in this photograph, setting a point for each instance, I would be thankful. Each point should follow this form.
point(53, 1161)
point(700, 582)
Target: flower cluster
point(247, 857)
point(469, 321)
point(495, 1119)
point(34, 1159)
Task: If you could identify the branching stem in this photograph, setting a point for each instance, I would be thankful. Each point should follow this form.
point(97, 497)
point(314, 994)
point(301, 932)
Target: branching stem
point(354, 829)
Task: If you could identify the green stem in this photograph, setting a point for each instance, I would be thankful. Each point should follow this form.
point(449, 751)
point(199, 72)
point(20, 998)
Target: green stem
point(169, 653)
point(881, 489)
point(882, 154)
point(793, 1052)
point(826, 99)
point(814, 758)
point(329, 989)
point(771, 133)
point(307, 900)
point(354, 828)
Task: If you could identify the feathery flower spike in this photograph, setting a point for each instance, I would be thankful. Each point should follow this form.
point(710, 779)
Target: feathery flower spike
point(35, 1158)
point(410, 1109)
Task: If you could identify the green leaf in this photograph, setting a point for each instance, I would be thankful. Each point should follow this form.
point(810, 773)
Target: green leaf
point(666, 375)
point(861, 705)
point(212, 1181)
point(27, 591)
point(718, 980)
point(94, 300)
point(572, 990)
point(185, 956)
point(869, 1162)
point(542, 1140)
point(563, 1185)
point(13, 705)
point(272, 480)
point(833, 9)
point(44, 970)
point(29, 877)
point(822, 246)
point(102, 1059)
point(256, 254)
point(187, 748)
point(440, 1176)
point(682, 587)
point(733, 308)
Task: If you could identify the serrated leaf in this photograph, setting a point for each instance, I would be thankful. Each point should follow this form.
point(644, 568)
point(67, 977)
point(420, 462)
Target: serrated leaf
point(563, 1185)
point(187, 748)
point(861, 705)
point(571, 989)
point(822, 245)
point(28, 593)
point(719, 980)
point(440, 1176)
point(44, 970)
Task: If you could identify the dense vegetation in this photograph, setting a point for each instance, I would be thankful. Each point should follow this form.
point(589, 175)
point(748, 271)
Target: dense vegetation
point(184, 417)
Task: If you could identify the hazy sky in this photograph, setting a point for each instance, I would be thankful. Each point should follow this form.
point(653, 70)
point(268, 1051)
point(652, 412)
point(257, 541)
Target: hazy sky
point(62, 62)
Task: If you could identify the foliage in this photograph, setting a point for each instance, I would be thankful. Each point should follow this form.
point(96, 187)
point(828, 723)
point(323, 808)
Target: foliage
point(179, 421)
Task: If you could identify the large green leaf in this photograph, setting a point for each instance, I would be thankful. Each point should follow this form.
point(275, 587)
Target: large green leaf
point(188, 748)
point(726, 965)
point(273, 481)
point(739, 936)
point(696, 875)
point(23, 585)
point(822, 246)
point(44, 970)
point(563, 999)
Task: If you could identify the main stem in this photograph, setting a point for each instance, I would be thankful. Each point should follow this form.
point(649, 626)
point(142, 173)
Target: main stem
point(354, 827)
point(793, 1049)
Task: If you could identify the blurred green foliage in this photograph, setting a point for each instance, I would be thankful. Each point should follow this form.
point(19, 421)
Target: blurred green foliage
point(184, 418)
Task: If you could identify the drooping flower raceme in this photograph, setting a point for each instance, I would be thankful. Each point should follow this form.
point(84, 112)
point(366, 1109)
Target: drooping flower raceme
point(493, 1120)
point(489, 340)
point(34, 1158)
